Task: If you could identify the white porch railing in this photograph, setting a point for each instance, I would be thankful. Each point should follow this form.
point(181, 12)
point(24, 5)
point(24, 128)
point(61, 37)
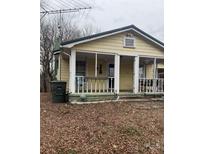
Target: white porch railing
point(151, 85)
point(106, 85)
point(94, 84)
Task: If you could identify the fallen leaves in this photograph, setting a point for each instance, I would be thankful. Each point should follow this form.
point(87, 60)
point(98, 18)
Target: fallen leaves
point(101, 128)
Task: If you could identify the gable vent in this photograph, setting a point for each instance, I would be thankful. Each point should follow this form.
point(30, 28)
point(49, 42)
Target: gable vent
point(129, 41)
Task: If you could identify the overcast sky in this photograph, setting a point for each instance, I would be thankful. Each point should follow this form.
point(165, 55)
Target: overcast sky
point(147, 15)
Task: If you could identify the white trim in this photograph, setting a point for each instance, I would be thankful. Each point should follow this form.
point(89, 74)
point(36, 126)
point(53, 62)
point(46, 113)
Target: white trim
point(94, 52)
point(107, 53)
point(135, 53)
point(150, 56)
point(128, 54)
point(110, 34)
point(72, 69)
point(136, 75)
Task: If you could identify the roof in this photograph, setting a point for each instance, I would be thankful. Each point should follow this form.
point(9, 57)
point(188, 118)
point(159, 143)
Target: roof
point(130, 27)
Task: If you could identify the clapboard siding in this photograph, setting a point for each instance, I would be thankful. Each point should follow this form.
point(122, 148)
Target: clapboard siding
point(115, 44)
point(64, 63)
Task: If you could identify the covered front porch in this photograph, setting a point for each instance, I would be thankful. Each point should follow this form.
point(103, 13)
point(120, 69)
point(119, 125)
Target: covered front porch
point(101, 73)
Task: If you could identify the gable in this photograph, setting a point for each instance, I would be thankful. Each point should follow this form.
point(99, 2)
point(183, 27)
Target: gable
point(115, 44)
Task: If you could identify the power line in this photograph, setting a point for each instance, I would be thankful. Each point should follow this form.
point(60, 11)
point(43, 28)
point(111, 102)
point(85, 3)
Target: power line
point(64, 10)
point(75, 6)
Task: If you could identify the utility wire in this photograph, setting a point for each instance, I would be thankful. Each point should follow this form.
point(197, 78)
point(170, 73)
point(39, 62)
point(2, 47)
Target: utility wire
point(64, 10)
point(75, 6)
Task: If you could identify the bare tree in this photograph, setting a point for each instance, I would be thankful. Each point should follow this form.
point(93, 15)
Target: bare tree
point(89, 29)
point(47, 39)
point(67, 29)
point(52, 32)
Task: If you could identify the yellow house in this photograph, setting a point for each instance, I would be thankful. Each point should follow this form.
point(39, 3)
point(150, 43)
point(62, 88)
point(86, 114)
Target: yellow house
point(123, 60)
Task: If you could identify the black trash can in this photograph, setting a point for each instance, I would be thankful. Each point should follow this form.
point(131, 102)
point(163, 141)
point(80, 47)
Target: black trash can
point(58, 90)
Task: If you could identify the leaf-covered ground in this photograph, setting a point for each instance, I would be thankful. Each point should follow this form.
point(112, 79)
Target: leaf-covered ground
point(128, 127)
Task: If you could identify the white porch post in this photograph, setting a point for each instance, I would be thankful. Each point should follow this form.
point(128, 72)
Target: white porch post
point(154, 68)
point(154, 75)
point(96, 64)
point(117, 74)
point(72, 68)
point(136, 74)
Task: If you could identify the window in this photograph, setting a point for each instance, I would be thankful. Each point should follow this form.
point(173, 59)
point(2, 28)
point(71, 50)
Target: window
point(111, 70)
point(142, 72)
point(160, 73)
point(80, 68)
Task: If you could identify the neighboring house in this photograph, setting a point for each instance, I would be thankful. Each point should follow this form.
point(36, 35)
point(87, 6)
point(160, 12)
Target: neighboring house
point(124, 60)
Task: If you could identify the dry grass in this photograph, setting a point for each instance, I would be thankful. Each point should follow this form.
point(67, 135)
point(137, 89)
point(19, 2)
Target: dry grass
point(101, 128)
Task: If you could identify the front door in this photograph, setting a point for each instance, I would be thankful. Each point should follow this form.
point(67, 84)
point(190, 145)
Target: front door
point(111, 76)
